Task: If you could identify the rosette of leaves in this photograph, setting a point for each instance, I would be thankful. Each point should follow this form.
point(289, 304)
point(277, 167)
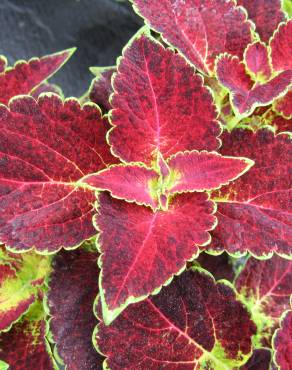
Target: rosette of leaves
point(178, 153)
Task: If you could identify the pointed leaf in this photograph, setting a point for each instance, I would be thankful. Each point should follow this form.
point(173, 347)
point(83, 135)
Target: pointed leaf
point(199, 171)
point(257, 61)
point(24, 346)
point(131, 182)
point(266, 14)
point(265, 287)
point(260, 360)
point(254, 211)
point(245, 96)
point(200, 30)
point(101, 87)
point(20, 280)
point(281, 47)
point(46, 147)
point(183, 327)
point(142, 250)
point(25, 76)
point(159, 105)
point(70, 303)
point(284, 106)
point(282, 343)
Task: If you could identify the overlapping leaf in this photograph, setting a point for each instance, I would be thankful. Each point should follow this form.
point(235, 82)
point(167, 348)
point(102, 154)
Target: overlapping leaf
point(201, 30)
point(193, 323)
point(281, 47)
point(25, 76)
point(283, 106)
point(282, 342)
point(159, 105)
point(24, 346)
point(265, 287)
point(245, 94)
point(254, 211)
point(219, 266)
point(198, 171)
point(73, 287)
point(131, 182)
point(266, 14)
point(101, 87)
point(142, 249)
point(46, 147)
point(257, 61)
point(20, 279)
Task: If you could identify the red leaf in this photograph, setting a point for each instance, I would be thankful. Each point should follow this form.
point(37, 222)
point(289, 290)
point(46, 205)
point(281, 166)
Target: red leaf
point(257, 60)
point(245, 96)
point(101, 87)
point(219, 266)
point(281, 124)
point(199, 171)
point(266, 14)
point(183, 327)
point(24, 346)
point(201, 30)
point(254, 211)
point(73, 287)
point(142, 250)
point(46, 147)
point(284, 106)
point(131, 182)
point(25, 76)
point(282, 343)
point(159, 105)
point(265, 287)
point(260, 360)
point(281, 47)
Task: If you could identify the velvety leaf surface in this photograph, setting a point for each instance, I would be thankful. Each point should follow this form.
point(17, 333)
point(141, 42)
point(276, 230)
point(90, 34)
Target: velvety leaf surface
point(101, 87)
point(265, 287)
point(201, 30)
point(25, 76)
point(219, 266)
point(159, 105)
point(20, 279)
point(193, 323)
point(284, 106)
point(73, 287)
point(254, 212)
point(46, 147)
point(141, 249)
point(245, 96)
point(281, 47)
point(260, 360)
point(282, 343)
point(281, 124)
point(266, 14)
point(198, 171)
point(257, 61)
point(24, 346)
point(131, 182)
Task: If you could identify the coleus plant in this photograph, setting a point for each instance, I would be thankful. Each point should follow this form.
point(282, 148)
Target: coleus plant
point(147, 224)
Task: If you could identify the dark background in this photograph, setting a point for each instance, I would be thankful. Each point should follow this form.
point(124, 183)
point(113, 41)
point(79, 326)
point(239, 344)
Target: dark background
point(98, 28)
